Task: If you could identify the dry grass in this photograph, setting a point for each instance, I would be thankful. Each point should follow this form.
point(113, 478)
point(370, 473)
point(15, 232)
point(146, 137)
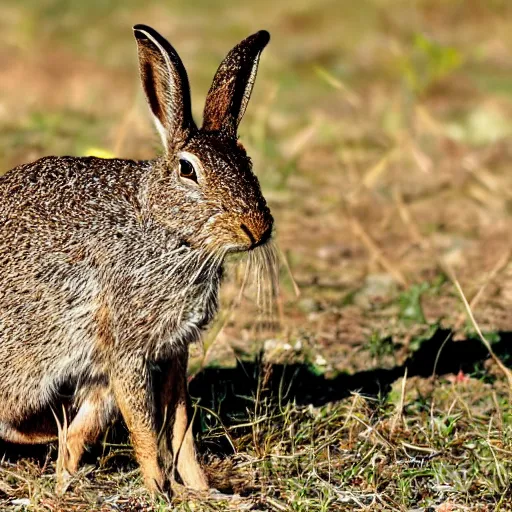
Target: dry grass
point(381, 135)
point(428, 442)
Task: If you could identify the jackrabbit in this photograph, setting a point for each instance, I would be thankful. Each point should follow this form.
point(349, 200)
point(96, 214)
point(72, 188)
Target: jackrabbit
point(111, 268)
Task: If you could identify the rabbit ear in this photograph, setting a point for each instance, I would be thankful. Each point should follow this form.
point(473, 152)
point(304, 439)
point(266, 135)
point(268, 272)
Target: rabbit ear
point(232, 85)
point(166, 86)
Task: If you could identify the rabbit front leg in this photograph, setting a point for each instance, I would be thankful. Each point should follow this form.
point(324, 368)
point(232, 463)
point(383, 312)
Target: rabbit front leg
point(177, 445)
point(131, 383)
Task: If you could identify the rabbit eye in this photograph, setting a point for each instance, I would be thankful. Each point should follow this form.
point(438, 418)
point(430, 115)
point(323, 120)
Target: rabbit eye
point(187, 170)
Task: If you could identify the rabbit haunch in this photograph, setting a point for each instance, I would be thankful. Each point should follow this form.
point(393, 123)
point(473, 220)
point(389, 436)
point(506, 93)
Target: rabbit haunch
point(111, 268)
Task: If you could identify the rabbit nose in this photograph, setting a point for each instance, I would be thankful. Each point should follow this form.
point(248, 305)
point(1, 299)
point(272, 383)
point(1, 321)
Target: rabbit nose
point(257, 238)
point(249, 234)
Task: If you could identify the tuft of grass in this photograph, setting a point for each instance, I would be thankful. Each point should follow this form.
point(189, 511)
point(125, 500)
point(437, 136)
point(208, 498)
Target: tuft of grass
point(363, 453)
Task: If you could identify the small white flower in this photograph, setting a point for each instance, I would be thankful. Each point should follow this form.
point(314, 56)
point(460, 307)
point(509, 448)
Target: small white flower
point(320, 361)
point(21, 501)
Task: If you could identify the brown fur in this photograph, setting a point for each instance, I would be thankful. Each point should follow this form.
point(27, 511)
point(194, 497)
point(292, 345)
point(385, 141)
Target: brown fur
point(111, 268)
point(104, 324)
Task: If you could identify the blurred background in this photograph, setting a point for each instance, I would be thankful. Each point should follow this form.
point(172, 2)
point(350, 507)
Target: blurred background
point(381, 134)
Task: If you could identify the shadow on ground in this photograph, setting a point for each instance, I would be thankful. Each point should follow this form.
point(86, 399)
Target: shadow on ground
point(299, 382)
point(230, 392)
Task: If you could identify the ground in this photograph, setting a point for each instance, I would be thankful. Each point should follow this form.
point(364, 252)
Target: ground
point(381, 134)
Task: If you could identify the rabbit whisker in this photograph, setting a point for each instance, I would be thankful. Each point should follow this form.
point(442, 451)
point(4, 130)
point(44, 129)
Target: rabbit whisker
point(265, 266)
point(244, 281)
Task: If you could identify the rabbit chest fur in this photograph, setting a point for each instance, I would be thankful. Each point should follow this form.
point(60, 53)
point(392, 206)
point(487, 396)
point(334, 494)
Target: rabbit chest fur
point(84, 278)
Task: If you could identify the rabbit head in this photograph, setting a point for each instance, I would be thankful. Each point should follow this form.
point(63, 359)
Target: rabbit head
point(203, 188)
